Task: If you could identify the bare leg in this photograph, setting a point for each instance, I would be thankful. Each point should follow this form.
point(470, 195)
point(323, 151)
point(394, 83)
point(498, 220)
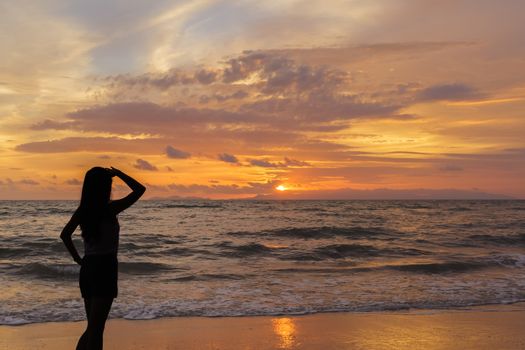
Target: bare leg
point(82, 342)
point(98, 313)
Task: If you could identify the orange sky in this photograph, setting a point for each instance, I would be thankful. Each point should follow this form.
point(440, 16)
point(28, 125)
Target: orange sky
point(228, 100)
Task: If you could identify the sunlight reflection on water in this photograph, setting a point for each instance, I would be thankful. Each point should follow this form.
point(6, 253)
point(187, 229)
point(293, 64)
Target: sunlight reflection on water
point(285, 329)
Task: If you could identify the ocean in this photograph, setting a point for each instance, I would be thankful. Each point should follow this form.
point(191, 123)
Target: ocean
point(246, 257)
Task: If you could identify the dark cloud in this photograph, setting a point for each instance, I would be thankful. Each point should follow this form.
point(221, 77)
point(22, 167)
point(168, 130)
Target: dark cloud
point(146, 117)
point(294, 162)
point(287, 163)
point(228, 158)
point(28, 182)
point(144, 165)
point(252, 141)
point(52, 124)
point(449, 92)
point(278, 74)
point(239, 94)
point(264, 163)
point(73, 182)
point(249, 188)
point(315, 109)
point(451, 167)
point(161, 81)
point(176, 153)
point(205, 77)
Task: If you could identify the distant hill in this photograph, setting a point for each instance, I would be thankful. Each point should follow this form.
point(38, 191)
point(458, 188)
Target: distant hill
point(384, 193)
point(177, 198)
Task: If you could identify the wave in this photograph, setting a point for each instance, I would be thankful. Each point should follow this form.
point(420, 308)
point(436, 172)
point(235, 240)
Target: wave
point(332, 251)
point(228, 249)
point(208, 277)
point(142, 267)
point(459, 209)
point(439, 268)
point(341, 251)
point(192, 206)
point(510, 260)
point(46, 271)
point(356, 232)
point(498, 240)
point(176, 308)
point(13, 252)
point(41, 270)
point(497, 261)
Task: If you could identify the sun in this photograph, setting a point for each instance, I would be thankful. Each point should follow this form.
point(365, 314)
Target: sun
point(281, 188)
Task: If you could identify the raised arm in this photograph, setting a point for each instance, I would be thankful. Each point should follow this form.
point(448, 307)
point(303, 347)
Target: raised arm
point(137, 191)
point(66, 234)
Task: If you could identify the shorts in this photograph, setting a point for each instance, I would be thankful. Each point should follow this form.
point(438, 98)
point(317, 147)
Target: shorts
point(99, 276)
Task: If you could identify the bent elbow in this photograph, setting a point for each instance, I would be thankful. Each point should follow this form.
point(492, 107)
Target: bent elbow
point(64, 235)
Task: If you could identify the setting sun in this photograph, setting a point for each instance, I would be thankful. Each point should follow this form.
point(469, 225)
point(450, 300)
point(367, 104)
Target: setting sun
point(281, 188)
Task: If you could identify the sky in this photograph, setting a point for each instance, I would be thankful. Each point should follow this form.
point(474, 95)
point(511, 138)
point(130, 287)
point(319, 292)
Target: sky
point(236, 99)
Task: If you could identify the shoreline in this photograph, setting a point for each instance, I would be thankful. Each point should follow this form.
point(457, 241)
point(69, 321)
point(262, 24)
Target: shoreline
point(485, 327)
point(507, 307)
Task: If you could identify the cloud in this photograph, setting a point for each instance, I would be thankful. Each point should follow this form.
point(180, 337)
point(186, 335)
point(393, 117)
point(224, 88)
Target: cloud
point(205, 77)
point(451, 167)
point(316, 110)
point(449, 92)
point(176, 153)
point(348, 56)
point(294, 162)
point(142, 164)
point(264, 163)
point(228, 158)
point(278, 74)
point(93, 144)
point(248, 188)
point(238, 95)
point(28, 182)
point(252, 141)
point(145, 117)
point(74, 182)
point(287, 163)
point(161, 81)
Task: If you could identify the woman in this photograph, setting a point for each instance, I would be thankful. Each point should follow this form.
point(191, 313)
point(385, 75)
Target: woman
point(97, 217)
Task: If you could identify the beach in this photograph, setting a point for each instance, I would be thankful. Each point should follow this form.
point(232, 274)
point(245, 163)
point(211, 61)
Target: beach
point(498, 327)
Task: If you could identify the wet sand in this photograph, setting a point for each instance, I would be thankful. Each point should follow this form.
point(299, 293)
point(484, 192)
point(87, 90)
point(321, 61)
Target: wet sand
point(485, 328)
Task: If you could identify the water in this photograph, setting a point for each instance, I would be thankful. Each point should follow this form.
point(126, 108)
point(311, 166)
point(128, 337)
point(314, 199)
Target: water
point(236, 258)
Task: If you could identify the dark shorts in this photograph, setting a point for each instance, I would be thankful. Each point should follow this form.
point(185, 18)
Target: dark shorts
point(98, 276)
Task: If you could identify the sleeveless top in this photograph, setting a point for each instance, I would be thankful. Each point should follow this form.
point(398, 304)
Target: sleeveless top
point(106, 241)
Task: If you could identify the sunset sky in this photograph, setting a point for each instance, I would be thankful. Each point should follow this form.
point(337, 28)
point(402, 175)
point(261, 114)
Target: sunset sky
point(230, 99)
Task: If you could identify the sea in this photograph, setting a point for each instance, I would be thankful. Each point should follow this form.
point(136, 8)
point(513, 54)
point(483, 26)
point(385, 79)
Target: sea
point(247, 257)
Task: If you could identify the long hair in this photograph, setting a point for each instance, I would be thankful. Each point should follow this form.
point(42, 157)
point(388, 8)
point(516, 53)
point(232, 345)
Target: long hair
point(96, 192)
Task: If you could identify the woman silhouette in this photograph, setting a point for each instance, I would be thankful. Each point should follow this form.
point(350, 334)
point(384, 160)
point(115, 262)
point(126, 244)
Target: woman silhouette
point(97, 217)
